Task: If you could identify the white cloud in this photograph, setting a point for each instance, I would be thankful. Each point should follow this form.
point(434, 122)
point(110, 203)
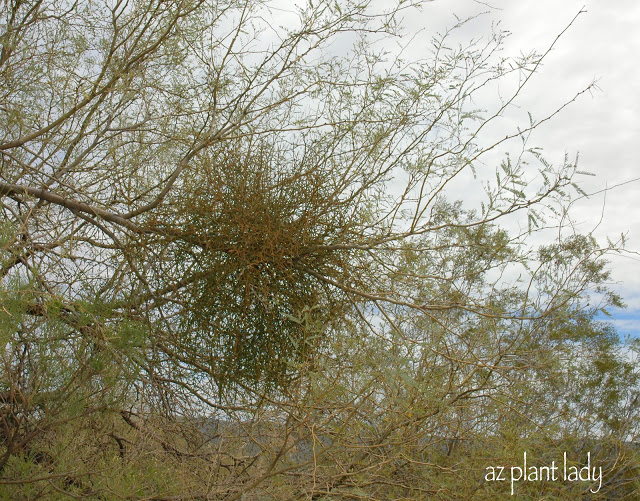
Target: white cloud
point(603, 127)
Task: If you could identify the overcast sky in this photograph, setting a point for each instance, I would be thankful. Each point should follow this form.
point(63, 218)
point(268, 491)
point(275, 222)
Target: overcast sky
point(603, 126)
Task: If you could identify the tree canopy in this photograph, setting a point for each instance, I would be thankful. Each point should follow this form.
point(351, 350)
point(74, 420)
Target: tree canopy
point(235, 264)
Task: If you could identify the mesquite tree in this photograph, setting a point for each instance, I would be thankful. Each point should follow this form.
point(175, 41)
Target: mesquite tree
point(204, 210)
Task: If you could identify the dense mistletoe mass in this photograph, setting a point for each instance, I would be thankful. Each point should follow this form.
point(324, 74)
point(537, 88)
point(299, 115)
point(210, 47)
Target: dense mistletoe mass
point(233, 263)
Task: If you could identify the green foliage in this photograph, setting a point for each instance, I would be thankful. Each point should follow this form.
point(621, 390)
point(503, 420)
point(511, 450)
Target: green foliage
point(234, 264)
